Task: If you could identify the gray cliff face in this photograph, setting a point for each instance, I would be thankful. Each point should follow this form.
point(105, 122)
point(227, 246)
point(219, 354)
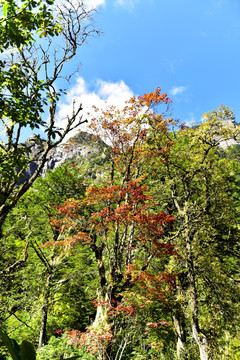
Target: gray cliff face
point(71, 150)
point(80, 146)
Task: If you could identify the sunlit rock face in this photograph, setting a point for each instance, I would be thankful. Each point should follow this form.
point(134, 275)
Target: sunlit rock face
point(80, 146)
point(224, 144)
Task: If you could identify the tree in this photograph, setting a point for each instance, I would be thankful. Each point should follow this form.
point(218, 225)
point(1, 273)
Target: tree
point(195, 188)
point(118, 220)
point(37, 40)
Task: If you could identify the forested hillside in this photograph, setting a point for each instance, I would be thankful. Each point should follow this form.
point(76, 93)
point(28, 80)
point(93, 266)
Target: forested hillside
point(132, 252)
point(121, 243)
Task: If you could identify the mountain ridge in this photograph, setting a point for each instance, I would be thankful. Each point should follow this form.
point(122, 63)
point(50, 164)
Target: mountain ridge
point(82, 145)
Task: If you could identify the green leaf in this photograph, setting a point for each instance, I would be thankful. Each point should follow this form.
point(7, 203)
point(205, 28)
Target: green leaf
point(12, 346)
point(5, 9)
point(27, 351)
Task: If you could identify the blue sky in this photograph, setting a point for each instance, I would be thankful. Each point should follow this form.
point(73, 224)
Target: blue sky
point(190, 48)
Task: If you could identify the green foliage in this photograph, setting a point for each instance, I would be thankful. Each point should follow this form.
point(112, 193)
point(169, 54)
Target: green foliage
point(24, 285)
point(152, 294)
point(24, 104)
point(29, 89)
point(58, 348)
point(23, 352)
point(201, 190)
point(232, 152)
point(19, 22)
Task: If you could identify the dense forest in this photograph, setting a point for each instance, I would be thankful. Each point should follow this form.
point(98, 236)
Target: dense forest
point(130, 252)
point(133, 251)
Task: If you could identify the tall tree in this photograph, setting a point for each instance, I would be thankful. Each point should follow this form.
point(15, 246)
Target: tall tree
point(37, 40)
point(117, 220)
point(195, 187)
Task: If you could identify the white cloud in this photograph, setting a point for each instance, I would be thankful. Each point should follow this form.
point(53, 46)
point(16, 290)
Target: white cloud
point(114, 93)
point(176, 90)
point(126, 4)
point(93, 4)
point(103, 94)
point(88, 4)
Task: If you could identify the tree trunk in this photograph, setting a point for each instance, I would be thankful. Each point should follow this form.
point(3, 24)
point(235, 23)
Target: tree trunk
point(43, 330)
point(179, 325)
point(201, 340)
point(198, 335)
point(4, 210)
point(101, 321)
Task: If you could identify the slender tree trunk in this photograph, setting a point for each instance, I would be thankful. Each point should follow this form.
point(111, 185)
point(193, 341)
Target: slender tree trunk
point(179, 325)
point(198, 335)
point(179, 322)
point(43, 330)
point(4, 210)
point(201, 341)
point(101, 319)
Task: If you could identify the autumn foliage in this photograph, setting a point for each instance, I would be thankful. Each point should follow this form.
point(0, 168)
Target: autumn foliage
point(131, 253)
point(118, 220)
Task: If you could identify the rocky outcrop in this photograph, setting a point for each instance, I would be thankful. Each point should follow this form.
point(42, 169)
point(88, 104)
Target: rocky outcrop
point(80, 146)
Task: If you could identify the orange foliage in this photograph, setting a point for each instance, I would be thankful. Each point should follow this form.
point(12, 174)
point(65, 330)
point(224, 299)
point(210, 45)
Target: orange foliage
point(152, 286)
point(94, 340)
point(119, 217)
point(154, 98)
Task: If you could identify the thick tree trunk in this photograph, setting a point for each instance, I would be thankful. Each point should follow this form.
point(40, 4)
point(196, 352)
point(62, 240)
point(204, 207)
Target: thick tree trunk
point(101, 323)
point(101, 318)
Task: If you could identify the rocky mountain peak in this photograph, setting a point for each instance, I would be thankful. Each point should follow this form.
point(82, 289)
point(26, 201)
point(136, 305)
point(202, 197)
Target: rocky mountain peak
point(81, 145)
